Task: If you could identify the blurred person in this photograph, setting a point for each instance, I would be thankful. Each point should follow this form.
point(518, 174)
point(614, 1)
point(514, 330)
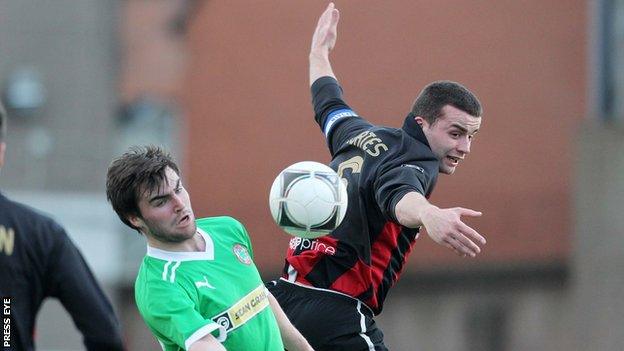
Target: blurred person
point(331, 295)
point(38, 260)
point(197, 287)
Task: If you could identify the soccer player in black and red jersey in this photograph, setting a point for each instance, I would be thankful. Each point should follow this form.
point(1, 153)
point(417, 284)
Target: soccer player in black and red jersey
point(333, 286)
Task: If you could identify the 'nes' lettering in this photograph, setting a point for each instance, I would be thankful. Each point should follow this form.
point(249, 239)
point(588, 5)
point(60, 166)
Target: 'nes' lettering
point(369, 142)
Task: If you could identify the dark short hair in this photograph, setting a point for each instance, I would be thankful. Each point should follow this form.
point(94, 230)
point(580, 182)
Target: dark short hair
point(139, 170)
point(436, 95)
point(3, 122)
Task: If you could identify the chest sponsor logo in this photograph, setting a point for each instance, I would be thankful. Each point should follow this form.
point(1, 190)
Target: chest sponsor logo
point(204, 284)
point(242, 254)
point(243, 310)
point(369, 142)
point(304, 244)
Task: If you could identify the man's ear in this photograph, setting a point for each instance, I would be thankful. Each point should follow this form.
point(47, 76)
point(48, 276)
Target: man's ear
point(2, 150)
point(136, 221)
point(421, 121)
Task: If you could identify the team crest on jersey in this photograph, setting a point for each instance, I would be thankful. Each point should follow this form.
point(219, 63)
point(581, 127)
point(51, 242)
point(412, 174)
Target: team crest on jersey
point(242, 254)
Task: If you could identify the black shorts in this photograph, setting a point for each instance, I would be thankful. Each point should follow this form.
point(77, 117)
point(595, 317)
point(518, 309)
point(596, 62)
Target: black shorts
point(328, 320)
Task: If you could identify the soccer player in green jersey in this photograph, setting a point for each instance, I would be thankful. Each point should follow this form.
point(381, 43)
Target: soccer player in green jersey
point(197, 288)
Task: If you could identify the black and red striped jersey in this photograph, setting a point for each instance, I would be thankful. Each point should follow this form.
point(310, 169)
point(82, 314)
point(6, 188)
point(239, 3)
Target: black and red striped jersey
point(365, 255)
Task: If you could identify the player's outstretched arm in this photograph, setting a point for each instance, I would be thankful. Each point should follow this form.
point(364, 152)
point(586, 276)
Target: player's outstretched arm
point(444, 226)
point(291, 337)
point(323, 42)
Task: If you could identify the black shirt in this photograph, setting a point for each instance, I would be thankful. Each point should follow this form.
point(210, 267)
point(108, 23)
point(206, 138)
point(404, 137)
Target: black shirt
point(38, 260)
point(365, 255)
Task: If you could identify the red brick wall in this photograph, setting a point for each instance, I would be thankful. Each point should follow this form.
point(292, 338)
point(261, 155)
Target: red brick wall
point(153, 57)
point(249, 115)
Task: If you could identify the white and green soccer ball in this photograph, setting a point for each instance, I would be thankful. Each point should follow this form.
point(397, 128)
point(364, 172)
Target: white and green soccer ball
point(308, 199)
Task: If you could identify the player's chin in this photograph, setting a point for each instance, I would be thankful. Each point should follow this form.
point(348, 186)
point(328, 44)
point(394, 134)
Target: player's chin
point(184, 233)
point(446, 169)
point(190, 229)
point(183, 236)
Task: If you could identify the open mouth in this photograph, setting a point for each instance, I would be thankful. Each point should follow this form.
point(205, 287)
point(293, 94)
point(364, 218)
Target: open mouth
point(184, 220)
point(454, 160)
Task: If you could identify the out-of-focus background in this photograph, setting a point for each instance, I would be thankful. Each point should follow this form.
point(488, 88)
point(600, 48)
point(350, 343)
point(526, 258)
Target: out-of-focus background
point(224, 85)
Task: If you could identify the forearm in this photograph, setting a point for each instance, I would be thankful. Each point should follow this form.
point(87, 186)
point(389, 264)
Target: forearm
point(409, 211)
point(320, 66)
point(323, 42)
point(291, 337)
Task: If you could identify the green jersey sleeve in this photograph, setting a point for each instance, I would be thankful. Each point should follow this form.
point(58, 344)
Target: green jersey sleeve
point(172, 316)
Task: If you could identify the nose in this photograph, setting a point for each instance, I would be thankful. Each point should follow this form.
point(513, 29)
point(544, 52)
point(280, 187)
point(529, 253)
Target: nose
point(178, 204)
point(464, 145)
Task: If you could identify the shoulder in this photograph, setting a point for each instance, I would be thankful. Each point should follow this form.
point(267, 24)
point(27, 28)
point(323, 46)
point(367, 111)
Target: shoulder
point(377, 142)
point(404, 151)
point(152, 283)
point(219, 223)
point(400, 141)
point(23, 211)
point(388, 132)
point(18, 215)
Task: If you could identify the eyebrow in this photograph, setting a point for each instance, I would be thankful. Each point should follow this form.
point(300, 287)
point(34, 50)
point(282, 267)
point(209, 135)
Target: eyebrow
point(462, 128)
point(162, 196)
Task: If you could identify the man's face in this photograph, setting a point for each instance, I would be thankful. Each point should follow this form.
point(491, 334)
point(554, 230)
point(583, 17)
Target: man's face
point(450, 136)
point(166, 213)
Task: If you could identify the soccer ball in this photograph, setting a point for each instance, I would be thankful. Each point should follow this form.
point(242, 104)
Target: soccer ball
point(308, 199)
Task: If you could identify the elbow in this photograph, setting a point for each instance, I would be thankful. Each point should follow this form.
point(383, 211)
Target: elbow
point(402, 215)
point(407, 210)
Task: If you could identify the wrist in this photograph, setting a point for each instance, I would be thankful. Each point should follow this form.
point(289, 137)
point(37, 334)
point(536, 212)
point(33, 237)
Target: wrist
point(318, 55)
point(426, 213)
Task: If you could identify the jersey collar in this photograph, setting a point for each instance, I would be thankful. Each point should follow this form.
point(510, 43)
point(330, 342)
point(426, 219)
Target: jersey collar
point(207, 254)
point(414, 129)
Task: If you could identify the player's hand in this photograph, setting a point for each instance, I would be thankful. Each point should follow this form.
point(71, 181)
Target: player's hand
point(326, 31)
point(446, 228)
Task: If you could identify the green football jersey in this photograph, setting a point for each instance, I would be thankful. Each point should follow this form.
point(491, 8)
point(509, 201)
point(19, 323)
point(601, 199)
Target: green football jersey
point(183, 296)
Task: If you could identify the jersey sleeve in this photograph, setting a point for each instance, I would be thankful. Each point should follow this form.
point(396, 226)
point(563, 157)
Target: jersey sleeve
point(337, 120)
point(70, 280)
point(396, 177)
point(171, 315)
